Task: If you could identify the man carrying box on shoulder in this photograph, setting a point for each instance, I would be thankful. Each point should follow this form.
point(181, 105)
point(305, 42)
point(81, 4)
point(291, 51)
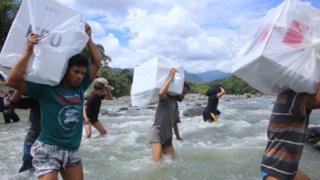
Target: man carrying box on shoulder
point(57, 147)
point(287, 132)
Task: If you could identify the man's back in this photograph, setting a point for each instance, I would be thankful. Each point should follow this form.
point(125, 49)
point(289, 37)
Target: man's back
point(286, 135)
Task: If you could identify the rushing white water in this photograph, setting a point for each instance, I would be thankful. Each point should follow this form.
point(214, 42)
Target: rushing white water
point(230, 149)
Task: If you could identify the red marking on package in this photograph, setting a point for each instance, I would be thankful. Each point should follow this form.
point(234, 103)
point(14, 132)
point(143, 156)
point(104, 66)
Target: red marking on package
point(295, 34)
point(259, 37)
point(264, 33)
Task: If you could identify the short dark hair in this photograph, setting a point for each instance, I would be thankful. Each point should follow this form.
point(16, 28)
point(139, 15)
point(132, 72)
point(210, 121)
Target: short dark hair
point(78, 60)
point(185, 85)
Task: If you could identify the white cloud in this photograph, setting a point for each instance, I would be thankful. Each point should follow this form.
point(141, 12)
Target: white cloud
point(98, 30)
point(205, 33)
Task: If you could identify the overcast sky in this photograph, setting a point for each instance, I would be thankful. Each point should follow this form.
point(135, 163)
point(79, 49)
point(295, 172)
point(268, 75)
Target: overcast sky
point(201, 35)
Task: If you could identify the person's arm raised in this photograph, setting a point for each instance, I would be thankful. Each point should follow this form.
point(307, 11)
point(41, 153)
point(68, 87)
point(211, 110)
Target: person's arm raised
point(109, 94)
point(221, 93)
point(95, 63)
point(165, 86)
point(313, 101)
point(15, 77)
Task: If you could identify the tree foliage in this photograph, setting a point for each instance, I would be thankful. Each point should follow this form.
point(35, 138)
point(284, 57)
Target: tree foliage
point(232, 85)
point(105, 59)
point(8, 11)
point(120, 79)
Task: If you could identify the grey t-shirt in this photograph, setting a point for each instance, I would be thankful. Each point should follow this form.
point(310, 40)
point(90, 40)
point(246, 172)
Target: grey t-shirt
point(166, 117)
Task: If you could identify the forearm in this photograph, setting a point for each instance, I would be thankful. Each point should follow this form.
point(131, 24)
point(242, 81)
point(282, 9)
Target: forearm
point(221, 93)
point(84, 112)
point(109, 95)
point(317, 96)
point(15, 97)
point(165, 86)
point(313, 102)
point(95, 58)
point(176, 130)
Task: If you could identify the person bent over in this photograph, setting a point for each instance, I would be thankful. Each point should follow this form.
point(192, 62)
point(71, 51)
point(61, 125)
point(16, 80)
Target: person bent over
point(92, 107)
point(211, 112)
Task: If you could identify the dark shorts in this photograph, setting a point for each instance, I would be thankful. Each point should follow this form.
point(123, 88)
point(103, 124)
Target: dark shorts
point(156, 138)
point(93, 120)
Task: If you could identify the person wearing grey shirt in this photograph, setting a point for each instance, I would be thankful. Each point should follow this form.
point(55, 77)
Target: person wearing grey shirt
point(165, 120)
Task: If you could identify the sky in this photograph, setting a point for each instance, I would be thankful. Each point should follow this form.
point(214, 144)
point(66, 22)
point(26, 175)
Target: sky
point(200, 35)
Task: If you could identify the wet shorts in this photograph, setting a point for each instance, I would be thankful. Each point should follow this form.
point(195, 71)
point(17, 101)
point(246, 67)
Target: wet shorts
point(156, 138)
point(92, 121)
point(48, 158)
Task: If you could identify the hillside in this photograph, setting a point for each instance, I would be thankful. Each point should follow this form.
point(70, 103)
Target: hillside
point(205, 76)
point(232, 85)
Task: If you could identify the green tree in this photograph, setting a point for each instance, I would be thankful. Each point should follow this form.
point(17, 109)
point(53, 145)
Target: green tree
point(8, 11)
point(232, 85)
point(105, 59)
point(120, 79)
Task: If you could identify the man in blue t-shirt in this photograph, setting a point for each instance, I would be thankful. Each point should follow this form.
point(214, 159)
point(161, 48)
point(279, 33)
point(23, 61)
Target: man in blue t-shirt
point(56, 149)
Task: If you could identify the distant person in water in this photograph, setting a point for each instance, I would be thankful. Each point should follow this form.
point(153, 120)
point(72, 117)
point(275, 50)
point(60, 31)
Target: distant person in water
point(287, 133)
point(22, 102)
point(92, 106)
point(165, 120)
point(211, 112)
point(8, 109)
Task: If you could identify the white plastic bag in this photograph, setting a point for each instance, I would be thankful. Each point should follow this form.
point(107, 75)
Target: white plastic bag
point(62, 35)
point(148, 78)
point(284, 54)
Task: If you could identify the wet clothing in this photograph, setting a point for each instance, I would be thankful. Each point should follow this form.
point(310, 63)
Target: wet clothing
point(211, 108)
point(287, 132)
point(26, 158)
point(32, 132)
point(176, 115)
point(213, 101)
point(48, 158)
point(165, 118)
point(8, 111)
point(61, 113)
point(34, 116)
point(1, 104)
point(93, 105)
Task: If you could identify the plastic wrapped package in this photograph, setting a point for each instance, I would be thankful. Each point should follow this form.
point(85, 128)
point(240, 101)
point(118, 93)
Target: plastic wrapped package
point(284, 53)
point(148, 78)
point(62, 35)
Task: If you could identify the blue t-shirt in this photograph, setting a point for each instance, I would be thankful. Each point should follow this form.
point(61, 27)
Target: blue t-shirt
point(61, 113)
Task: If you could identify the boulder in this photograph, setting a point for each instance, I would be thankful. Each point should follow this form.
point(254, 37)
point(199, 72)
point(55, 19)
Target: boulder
point(194, 111)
